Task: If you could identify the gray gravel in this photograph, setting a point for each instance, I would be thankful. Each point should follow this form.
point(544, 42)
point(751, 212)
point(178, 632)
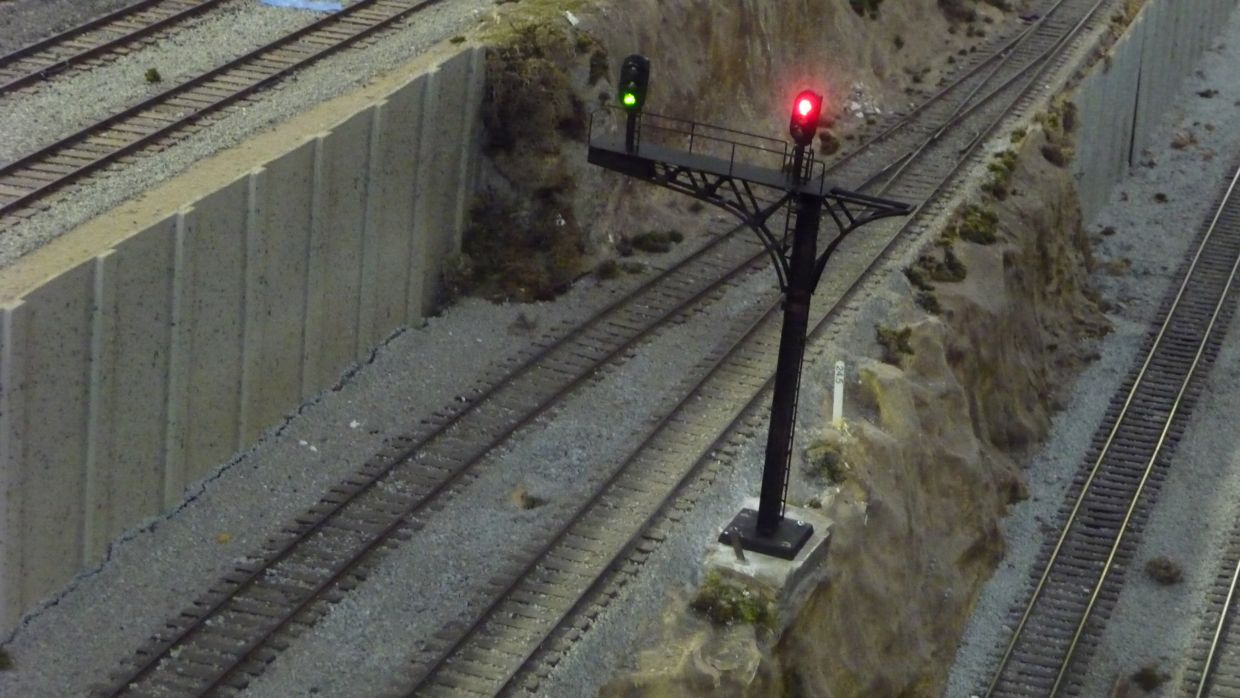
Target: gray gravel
point(1149, 622)
point(56, 109)
point(154, 570)
point(23, 22)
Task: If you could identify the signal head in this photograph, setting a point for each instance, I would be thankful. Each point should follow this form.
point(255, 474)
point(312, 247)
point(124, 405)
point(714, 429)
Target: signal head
point(634, 82)
point(806, 111)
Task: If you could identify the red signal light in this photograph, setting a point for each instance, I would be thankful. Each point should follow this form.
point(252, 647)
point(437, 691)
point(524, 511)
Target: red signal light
point(806, 111)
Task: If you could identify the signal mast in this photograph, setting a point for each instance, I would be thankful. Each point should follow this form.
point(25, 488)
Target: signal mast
point(710, 172)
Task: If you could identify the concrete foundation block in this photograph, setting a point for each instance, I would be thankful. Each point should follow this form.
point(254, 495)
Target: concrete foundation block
point(789, 582)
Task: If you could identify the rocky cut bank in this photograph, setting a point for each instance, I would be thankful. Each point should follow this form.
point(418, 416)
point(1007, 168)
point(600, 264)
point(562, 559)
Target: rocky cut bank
point(960, 383)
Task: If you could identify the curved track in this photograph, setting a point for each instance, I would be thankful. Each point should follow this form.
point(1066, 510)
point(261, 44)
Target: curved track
point(176, 111)
point(229, 635)
point(1080, 574)
point(97, 38)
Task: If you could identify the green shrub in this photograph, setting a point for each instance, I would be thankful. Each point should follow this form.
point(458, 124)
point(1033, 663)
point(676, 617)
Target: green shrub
point(823, 459)
point(153, 76)
point(927, 301)
point(1149, 678)
point(865, 8)
point(608, 269)
point(725, 603)
point(895, 343)
point(917, 276)
point(958, 10)
point(978, 225)
point(656, 242)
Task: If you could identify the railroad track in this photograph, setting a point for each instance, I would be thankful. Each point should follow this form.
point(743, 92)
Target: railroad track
point(181, 109)
point(534, 612)
point(1078, 577)
point(229, 635)
point(1214, 663)
point(111, 34)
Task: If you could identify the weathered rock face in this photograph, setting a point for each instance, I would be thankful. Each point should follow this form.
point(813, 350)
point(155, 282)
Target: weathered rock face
point(930, 466)
point(928, 476)
point(544, 214)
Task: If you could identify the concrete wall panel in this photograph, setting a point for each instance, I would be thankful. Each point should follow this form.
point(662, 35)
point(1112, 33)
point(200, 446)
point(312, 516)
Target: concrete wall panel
point(12, 416)
point(390, 225)
point(53, 329)
point(132, 343)
point(276, 288)
point(337, 250)
point(215, 267)
point(437, 200)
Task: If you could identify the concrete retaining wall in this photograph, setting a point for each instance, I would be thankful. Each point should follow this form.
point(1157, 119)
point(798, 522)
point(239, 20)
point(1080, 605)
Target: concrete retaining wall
point(1122, 99)
point(137, 371)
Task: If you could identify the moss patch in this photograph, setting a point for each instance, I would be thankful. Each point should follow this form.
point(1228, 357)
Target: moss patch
point(1149, 678)
point(930, 267)
point(894, 342)
point(825, 459)
point(6, 662)
point(515, 252)
point(725, 603)
point(865, 8)
point(977, 225)
point(1164, 571)
point(1001, 168)
point(655, 242)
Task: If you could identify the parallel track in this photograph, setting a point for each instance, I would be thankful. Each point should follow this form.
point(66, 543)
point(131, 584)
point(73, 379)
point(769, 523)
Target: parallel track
point(113, 33)
point(540, 607)
point(228, 636)
point(1214, 664)
point(177, 111)
point(1059, 627)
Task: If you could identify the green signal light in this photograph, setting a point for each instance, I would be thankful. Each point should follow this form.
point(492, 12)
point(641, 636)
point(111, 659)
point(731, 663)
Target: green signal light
point(629, 99)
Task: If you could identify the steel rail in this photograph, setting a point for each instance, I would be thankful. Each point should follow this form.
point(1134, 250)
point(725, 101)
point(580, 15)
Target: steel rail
point(604, 568)
point(348, 18)
point(524, 368)
point(61, 63)
point(1097, 465)
point(345, 570)
point(754, 328)
point(1216, 638)
point(1162, 437)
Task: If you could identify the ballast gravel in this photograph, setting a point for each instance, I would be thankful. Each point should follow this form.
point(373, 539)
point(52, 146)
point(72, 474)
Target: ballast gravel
point(32, 118)
point(1139, 240)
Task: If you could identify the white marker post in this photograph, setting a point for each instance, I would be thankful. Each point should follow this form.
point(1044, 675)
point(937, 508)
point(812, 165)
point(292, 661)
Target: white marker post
point(837, 410)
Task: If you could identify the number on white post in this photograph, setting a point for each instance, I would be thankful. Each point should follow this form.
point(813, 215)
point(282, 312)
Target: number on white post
point(837, 411)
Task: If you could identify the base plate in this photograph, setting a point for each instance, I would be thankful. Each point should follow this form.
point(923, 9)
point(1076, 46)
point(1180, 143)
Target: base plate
point(784, 543)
